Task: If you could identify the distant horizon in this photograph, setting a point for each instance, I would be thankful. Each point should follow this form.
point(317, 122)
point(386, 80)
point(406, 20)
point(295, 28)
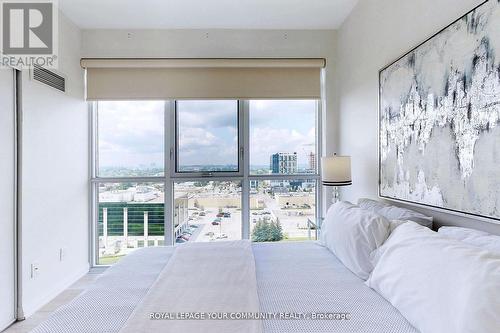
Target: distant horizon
point(145, 167)
point(158, 171)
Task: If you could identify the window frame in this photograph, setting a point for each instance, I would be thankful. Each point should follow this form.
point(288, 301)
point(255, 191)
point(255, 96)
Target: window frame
point(171, 176)
point(174, 149)
point(94, 144)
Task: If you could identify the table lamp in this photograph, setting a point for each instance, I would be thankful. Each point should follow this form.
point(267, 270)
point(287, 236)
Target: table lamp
point(336, 171)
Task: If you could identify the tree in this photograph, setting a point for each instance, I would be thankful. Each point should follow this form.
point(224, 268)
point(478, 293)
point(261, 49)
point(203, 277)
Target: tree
point(260, 231)
point(276, 231)
point(267, 231)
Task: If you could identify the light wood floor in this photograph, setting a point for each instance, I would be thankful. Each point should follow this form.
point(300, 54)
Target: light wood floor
point(61, 299)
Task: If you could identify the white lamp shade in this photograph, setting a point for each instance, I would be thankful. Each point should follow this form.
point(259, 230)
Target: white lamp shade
point(336, 171)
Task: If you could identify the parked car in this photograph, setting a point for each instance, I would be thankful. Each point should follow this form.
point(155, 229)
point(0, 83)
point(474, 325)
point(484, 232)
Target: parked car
point(185, 237)
point(180, 240)
point(220, 215)
point(227, 214)
point(215, 222)
point(202, 214)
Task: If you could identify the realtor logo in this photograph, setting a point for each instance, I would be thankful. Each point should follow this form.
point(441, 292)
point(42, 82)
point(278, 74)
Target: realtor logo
point(28, 32)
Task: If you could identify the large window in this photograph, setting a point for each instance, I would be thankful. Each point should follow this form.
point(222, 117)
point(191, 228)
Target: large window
point(212, 211)
point(282, 137)
point(171, 172)
point(283, 210)
point(130, 216)
point(207, 136)
point(130, 139)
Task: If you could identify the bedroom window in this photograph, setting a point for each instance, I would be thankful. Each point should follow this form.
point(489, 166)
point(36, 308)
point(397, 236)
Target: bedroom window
point(283, 210)
point(176, 171)
point(207, 137)
point(213, 211)
point(130, 138)
point(283, 169)
point(130, 216)
point(283, 137)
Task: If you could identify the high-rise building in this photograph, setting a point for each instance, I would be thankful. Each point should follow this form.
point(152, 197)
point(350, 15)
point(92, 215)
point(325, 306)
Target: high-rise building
point(312, 161)
point(284, 163)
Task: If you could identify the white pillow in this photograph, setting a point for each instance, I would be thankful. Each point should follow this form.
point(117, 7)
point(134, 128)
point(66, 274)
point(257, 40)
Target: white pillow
point(352, 234)
point(396, 223)
point(437, 283)
point(473, 237)
point(324, 226)
point(370, 204)
point(375, 255)
point(391, 212)
point(398, 213)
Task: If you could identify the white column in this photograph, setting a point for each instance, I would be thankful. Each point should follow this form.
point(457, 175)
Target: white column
point(125, 226)
point(105, 227)
point(145, 229)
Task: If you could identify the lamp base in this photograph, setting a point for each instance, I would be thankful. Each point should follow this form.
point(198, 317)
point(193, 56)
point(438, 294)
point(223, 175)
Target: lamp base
point(336, 195)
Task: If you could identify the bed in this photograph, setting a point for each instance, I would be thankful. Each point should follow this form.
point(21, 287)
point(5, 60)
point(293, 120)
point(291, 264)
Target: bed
point(290, 277)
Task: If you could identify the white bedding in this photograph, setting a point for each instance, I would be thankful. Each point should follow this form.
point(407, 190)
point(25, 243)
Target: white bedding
point(291, 277)
point(306, 277)
point(439, 284)
point(107, 304)
point(205, 278)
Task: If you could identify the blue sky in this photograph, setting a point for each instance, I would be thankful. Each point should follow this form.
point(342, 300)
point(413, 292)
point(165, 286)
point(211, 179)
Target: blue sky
point(131, 133)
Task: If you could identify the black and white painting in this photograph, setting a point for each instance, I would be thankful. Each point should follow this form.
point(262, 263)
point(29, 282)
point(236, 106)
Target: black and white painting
point(440, 118)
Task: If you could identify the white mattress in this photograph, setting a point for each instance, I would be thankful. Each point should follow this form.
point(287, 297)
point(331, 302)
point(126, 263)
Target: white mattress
point(292, 277)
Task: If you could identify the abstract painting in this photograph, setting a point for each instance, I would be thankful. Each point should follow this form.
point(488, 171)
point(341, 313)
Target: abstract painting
point(439, 114)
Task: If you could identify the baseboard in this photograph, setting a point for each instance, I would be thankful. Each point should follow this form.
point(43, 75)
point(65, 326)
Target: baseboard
point(30, 309)
point(6, 324)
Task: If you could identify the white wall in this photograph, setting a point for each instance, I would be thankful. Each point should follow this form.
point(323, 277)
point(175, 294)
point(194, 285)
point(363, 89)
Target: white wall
point(225, 43)
point(7, 181)
point(55, 177)
point(375, 34)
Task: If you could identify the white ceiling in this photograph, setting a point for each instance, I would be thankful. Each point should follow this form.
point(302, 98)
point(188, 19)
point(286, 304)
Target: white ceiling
point(207, 14)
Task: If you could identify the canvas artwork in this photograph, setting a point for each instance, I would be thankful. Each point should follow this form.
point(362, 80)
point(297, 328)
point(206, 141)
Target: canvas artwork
point(440, 118)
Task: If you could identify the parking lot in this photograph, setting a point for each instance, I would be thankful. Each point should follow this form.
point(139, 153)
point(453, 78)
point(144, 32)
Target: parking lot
point(229, 228)
point(293, 221)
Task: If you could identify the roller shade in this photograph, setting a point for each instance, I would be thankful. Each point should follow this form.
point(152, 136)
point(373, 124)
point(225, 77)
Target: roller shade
point(129, 79)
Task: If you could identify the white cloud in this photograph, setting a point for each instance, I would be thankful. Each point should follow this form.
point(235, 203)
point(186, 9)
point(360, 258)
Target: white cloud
point(131, 133)
point(265, 141)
